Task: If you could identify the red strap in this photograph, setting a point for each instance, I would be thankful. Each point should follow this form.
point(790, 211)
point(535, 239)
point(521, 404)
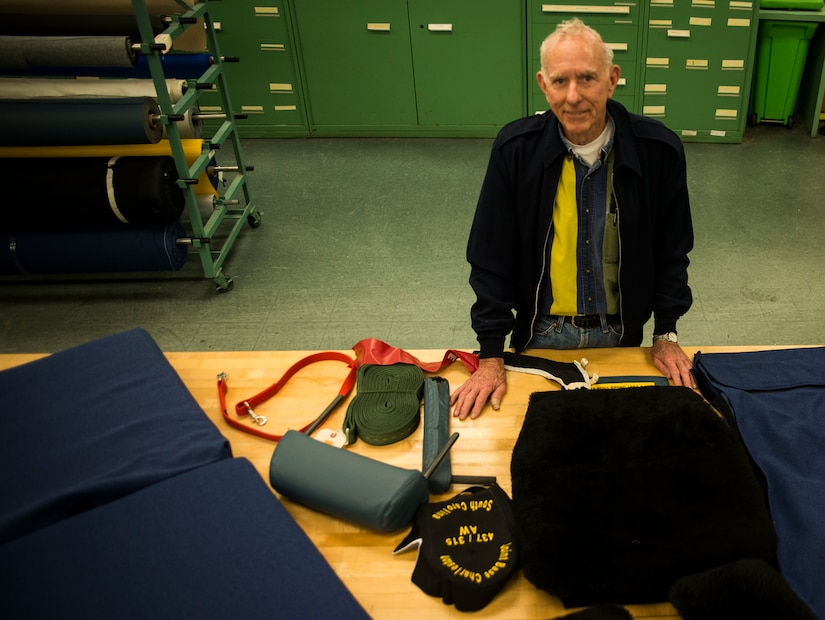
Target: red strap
point(367, 351)
point(373, 351)
point(246, 407)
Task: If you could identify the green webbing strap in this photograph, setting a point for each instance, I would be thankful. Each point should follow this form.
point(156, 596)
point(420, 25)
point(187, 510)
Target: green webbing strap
point(437, 431)
point(386, 406)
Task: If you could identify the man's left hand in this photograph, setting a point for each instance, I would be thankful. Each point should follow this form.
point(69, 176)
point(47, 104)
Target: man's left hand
point(672, 362)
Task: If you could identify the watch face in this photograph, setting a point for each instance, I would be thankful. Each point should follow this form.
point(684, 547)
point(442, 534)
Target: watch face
point(671, 337)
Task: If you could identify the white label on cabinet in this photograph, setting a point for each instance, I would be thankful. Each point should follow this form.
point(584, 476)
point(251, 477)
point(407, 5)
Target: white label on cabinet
point(696, 63)
point(440, 27)
point(285, 108)
point(741, 6)
point(585, 8)
point(704, 4)
point(273, 47)
point(728, 91)
point(660, 23)
point(718, 133)
point(654, 110)
point(617, 47)
point(738, 23)
point(622, 82)
point(733, 65)
point(690, 133)
point(655, 89)
point(723, 114)
point(657, 63)
point(678, 34)
point(210, 108)
point(378, 26)
point(701, 21)
point(662, 3)
point(252, 109)
point(267, 11)
point(281, 89)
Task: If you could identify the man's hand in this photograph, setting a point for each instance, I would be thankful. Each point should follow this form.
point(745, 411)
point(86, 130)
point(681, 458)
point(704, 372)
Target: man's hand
point(487, 382)
point(672, 362)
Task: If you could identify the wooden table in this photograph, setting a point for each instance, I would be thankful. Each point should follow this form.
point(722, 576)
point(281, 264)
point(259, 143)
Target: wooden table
point(363, 559)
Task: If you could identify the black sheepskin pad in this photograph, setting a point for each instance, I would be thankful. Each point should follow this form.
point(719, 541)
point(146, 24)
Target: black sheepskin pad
point(747, 588)
point(619, 493)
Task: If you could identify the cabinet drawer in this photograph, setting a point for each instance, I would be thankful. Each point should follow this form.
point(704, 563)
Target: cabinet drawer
point(591, 12)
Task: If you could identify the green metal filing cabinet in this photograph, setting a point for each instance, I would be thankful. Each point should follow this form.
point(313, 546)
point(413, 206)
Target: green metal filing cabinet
point(411, 67)
point(696, 75)
point(265, 84)
point(619, 22)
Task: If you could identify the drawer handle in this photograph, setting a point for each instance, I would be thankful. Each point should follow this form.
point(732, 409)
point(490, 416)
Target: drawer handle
point(378, 26)
point(585, 8)
point(678, 34)
point(440, 27)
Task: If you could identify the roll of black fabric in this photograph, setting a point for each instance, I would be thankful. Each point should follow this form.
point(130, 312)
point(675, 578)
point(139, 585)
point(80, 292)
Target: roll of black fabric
point(33, 52)
point(59, 121)
point(26, 24)
point(112, 250)
point(57, 193)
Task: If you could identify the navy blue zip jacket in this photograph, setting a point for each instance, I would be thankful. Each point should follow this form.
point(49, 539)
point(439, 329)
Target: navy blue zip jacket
point(512, 227)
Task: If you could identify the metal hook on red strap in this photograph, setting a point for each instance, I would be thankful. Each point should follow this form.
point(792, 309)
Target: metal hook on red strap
point(246, 407)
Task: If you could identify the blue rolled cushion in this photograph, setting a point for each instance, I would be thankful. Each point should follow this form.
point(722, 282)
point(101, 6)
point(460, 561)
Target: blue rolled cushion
point(211, 543)
point(91, 424)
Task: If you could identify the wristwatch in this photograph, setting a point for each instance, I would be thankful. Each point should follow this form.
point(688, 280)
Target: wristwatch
point(669, 336)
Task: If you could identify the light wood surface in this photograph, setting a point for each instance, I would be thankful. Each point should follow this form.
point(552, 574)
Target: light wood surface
point(363, 559)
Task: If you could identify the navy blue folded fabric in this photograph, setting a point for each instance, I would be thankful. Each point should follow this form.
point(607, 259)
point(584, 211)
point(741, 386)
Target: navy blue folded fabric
point(777, 401)
point(91, 424)
point(213, 543)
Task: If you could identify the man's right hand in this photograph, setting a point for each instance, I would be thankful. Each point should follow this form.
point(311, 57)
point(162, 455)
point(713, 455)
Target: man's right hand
point(487, 382)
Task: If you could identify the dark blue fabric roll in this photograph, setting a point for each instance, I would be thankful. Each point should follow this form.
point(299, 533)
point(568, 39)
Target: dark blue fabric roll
point(111, 250)
point(181, 66)
point(63, 121)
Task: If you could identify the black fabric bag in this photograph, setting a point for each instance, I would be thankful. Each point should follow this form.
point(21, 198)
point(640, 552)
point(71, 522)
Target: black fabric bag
point(619, 493)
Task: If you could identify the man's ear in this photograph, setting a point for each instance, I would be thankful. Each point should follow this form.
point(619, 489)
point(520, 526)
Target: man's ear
point(615, 74)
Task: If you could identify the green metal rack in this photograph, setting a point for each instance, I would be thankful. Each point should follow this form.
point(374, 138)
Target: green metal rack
point(233, 207)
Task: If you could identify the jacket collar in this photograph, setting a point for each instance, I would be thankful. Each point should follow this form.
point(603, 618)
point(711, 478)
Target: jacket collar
point(624, 143)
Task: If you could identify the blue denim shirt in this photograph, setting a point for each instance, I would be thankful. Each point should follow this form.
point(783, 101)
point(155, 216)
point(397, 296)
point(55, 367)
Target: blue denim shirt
point(591, 193)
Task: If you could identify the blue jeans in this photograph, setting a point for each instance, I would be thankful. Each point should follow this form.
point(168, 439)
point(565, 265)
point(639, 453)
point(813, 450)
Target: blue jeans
point(552, 333)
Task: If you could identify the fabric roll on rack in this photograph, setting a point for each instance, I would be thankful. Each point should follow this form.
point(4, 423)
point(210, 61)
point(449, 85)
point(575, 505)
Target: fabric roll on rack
point(119, 249)
point(184, 66)
point(60, 121)
point(32, 88)
point(192, 149)
point(51, 194)
point(21, 53)
point(62, 24)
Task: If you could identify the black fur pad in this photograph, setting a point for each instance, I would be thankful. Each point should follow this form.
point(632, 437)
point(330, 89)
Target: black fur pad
point(747, 588)
point(619, 493)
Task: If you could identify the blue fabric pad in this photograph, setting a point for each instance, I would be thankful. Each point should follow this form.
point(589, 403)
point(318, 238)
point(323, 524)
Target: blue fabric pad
point(211, 543)
point(91, 424)
point(777, 400)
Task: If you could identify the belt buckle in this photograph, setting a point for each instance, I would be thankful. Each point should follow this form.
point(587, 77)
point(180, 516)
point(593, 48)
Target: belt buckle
point(587, 322)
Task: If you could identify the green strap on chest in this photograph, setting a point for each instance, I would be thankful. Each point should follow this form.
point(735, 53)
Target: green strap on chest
point(386, 406)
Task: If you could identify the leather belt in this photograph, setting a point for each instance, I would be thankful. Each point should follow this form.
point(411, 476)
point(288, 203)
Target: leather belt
point(587, 321)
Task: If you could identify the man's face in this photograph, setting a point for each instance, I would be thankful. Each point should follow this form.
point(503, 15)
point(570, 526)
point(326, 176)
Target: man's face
point(577, 86)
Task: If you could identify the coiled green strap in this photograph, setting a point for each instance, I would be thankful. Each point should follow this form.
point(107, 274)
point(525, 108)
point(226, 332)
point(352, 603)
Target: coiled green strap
point(386, 406)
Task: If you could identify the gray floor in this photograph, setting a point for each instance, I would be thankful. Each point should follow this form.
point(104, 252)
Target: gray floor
point(365, 238)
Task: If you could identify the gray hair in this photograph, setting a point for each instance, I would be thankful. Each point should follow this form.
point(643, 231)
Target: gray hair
point(575, 28)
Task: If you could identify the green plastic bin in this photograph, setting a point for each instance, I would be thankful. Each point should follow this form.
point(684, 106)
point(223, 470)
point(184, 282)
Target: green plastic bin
point(780, 58)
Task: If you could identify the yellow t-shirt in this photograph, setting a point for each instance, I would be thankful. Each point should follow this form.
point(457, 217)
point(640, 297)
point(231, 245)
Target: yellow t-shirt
point(563, 262)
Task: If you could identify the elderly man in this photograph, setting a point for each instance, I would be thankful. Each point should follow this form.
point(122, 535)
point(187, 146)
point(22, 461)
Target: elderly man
point(583, 225)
